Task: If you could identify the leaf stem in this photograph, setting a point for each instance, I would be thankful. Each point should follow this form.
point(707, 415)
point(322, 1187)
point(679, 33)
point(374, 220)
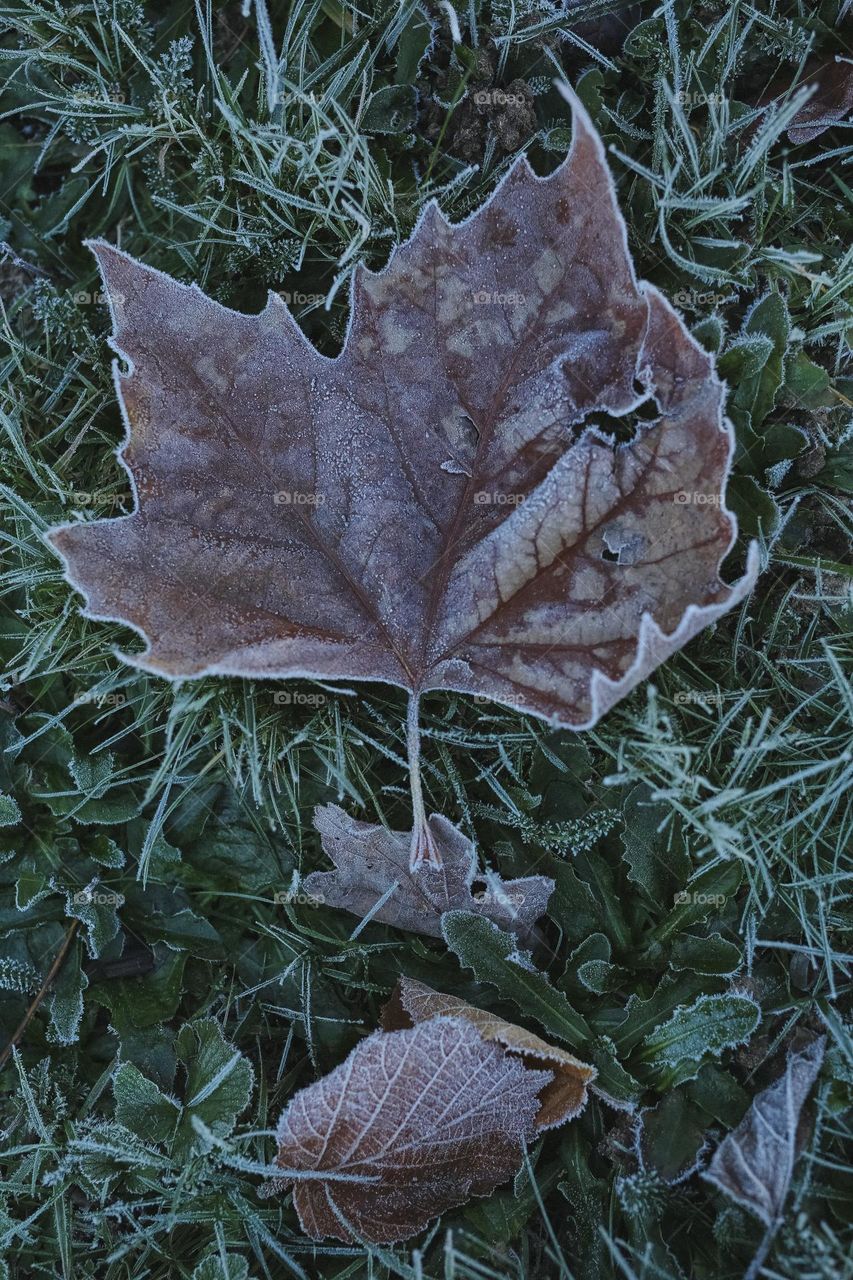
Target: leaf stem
point(754, 1269)
point(423, 846)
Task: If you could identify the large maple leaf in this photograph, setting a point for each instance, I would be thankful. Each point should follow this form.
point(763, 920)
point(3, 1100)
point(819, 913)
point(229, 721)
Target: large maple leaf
point(435, 507)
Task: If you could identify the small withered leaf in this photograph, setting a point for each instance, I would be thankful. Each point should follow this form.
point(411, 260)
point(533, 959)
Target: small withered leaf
point(832, 101)
point(426, 509)
point(755, 1162)
point(413, 1123)
point(563, 1098)
point(369, 859)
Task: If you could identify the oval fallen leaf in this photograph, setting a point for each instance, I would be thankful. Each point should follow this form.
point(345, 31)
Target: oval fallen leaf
point(411, 1124)
point(563, 1098)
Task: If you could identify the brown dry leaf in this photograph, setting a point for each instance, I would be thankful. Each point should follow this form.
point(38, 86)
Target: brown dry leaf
point(832, 102)
point(369, 859)
point(755, 1162)
point(426, 509)
point(420, 1120)
point(560, 1100)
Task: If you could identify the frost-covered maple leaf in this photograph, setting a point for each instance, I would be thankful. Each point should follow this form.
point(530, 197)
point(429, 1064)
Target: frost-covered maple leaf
point(433, 508)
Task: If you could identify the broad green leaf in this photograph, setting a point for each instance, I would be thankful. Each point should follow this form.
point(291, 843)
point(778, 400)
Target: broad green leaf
point(392, 109)
point(710, 333)
point(589, 967)
point(140, 1105)
point(143, 1002)
point(710, 955)
point(718, 1094)
point(757, 390)
point(757, 511)
point(809, 384)
point(219, 1081)
point(95, 906)
point(838, 470)
point(217, 1087)
point(415, 39)
point(672, 1136)
point(218, 1267)
point(222, 837)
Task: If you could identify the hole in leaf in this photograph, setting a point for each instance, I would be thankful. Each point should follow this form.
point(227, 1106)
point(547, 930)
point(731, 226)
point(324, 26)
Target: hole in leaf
point(648, 411)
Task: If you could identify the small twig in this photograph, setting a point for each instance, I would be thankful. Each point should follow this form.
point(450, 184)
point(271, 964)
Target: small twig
point(42, 991)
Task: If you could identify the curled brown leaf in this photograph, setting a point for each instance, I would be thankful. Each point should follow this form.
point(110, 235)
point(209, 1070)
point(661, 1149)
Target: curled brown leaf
point(561, 1099)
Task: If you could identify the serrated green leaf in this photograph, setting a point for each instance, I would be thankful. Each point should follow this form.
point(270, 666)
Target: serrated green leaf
point(10, 813)
point(66, 1002)
point(656, 864)
point(105, 851)
point(218, 1084)
point(704, 897)
point(703, 1029)
point(493, 956)
point(96, 908)
point(573, 905)
point(588, 1197)
point(642, 1015)
point(142, 1108)
point(32, 884)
